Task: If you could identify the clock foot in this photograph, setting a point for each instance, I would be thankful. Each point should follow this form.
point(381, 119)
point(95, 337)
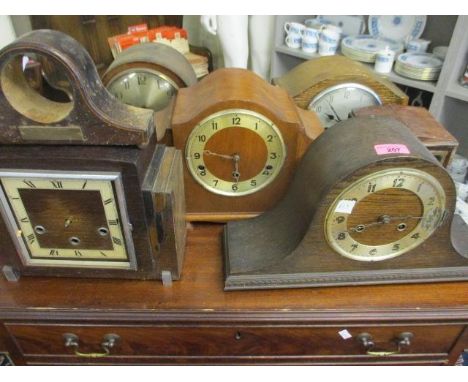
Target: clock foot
point(166, 278)
point(10, 273)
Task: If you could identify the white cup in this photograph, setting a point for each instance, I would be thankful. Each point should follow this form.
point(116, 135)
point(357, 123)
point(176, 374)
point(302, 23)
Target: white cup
point(293, 28)
point(310, 33)
point(417, 46)
point(384, 61)
point(313, 23)
point(309, 45)
point(329, 40)
point(293, 40)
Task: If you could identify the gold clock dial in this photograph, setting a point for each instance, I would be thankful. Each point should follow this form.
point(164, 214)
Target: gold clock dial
point(385, 214)
point(235, 152)
point(63, 219)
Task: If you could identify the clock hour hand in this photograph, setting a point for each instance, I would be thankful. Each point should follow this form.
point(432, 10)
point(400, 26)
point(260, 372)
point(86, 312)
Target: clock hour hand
point(236, 173)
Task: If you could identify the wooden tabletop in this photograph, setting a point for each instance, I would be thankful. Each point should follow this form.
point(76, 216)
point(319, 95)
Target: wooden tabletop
point(200, 292)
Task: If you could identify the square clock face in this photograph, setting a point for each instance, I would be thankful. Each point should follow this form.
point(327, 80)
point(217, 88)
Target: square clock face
point(67, 219)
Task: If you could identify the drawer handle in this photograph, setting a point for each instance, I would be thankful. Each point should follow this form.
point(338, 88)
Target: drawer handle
point(403, 340)
point(73, 341)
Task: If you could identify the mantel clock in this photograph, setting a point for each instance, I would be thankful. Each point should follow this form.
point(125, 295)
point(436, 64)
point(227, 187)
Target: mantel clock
point(380, 213)
point(335, 86)
point(85, 191)
point(242, 139)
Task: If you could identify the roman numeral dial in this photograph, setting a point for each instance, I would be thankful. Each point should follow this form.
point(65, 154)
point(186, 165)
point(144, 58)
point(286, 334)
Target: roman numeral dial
point(67, 219)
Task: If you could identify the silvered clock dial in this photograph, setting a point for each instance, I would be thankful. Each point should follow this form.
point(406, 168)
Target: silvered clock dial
point(336, 103)
point(148, 75)
point(67, 219)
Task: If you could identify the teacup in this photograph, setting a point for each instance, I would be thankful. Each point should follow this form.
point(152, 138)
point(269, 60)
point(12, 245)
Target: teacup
point(329, 40)
point(293, 40)
point(417, 46)
point(384, 61)
point(292, 27)
point(309, 45)
point(309, 33)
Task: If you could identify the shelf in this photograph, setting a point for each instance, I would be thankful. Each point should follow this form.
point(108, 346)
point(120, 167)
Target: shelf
point(457, 91)
point(428, 86)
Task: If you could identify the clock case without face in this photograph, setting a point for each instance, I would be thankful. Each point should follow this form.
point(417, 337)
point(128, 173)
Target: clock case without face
point(85, 189)
point(242, 139)
point(312, 79)
point(375, 216)
point(148, 75)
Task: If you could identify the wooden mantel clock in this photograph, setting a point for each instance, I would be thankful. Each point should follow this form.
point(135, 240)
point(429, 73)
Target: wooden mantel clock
point(148, 75)
point(85, 191)
point(242, 139)
point(380, 213)
point(335, 86)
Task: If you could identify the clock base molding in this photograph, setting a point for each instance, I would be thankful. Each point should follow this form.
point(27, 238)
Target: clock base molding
point(218, 218)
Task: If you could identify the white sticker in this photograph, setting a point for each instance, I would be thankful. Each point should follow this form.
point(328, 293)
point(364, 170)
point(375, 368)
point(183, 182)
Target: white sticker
point(345, 334)
point(345, 206)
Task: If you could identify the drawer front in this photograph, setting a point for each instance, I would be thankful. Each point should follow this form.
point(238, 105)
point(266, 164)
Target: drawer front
point(220, 341)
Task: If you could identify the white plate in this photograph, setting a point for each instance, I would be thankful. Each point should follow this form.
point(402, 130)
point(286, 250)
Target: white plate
point(370, 44)
point(421, 60)
point(350, 25)
point(399, 28)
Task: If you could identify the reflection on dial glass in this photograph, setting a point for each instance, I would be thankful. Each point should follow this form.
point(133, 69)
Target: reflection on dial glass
point(143, 88)
point(235, 152)
point(385, 214)
point(337, 103)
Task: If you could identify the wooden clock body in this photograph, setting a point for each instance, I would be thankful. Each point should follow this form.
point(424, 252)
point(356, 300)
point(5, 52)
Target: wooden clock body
point(307, 80)
point(85, 190)
point(289, 246)
point(240, 90)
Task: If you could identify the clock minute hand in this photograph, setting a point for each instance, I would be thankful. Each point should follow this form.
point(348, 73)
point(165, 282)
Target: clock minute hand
point(208, 152)
point(334, 111)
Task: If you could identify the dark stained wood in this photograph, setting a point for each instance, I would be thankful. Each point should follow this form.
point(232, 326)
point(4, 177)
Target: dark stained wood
point(240, 89)
point(308, 79)
point(429, 131)
point(287, 247)
point(91, 117)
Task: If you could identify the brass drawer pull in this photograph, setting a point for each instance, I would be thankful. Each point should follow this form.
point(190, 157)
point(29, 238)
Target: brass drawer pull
point(403, 340)
point(73, 341)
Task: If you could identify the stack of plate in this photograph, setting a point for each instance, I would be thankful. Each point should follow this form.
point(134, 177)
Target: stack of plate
point(419, 66)
point(365, 47)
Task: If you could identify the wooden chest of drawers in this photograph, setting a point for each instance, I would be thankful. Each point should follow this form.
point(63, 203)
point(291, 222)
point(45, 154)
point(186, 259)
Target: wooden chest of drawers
point(71, 321)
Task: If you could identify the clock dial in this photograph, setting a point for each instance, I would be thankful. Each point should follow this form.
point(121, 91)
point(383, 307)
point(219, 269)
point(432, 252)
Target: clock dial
point(144, 88)
point(235, 152)
point(337, 103)
point(67, 219)
point(385, 214)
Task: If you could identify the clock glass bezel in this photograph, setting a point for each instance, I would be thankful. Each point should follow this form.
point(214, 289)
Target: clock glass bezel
point(338, 87)
point(126, 259)
point(120, 76)
point(225, 187)
point(357, 191)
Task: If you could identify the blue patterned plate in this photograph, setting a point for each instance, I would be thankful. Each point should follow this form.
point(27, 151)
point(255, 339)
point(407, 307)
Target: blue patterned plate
point(399, 28)
point(370, 45)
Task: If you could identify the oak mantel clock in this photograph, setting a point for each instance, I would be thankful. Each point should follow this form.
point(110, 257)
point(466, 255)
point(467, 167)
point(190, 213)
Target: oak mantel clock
point(85, 191)
point(335, 86)
point(380, 213)
point(241, 138)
